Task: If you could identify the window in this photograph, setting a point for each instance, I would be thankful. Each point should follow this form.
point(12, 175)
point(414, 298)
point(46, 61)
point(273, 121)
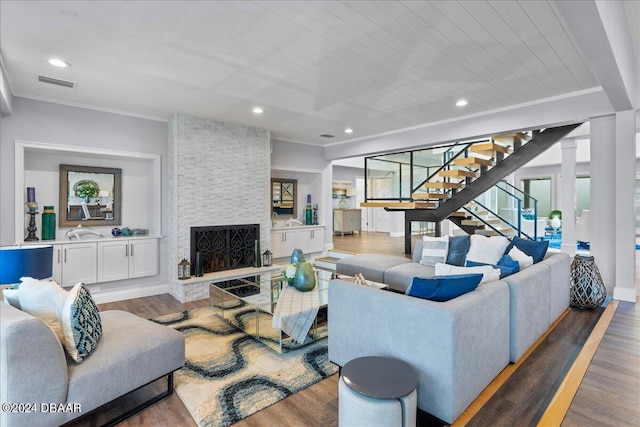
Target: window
point(540, 189)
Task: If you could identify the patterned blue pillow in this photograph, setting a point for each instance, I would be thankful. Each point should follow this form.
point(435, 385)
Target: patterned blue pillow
point(81, 323)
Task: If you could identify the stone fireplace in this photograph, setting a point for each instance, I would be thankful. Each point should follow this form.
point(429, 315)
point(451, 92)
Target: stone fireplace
point(219, 175)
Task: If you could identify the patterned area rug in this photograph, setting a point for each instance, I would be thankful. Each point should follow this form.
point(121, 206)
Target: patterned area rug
point(229, 375)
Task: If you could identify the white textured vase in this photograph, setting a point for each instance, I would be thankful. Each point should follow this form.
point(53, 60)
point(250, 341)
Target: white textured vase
point(555, 222)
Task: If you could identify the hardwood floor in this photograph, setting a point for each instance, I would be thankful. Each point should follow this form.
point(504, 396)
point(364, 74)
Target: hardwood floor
point(608, 395)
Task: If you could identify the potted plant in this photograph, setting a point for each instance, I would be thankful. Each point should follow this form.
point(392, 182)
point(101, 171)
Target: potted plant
point(556, 218)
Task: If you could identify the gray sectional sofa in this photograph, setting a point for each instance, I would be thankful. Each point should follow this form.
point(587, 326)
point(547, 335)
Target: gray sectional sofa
point(457, 346)
point(35, 370)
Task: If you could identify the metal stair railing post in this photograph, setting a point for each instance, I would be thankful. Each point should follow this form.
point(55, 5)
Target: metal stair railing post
point(519, 218)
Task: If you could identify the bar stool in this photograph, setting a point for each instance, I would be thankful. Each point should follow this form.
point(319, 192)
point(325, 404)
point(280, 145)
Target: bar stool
point(377, 391)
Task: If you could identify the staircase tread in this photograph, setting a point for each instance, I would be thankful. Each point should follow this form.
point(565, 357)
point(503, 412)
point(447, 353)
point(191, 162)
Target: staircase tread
point(472, 161)
point(440, 184)
point(512, 135)
point(429, 196)
point(458, 173)
point(399, 205)
point(489, 147)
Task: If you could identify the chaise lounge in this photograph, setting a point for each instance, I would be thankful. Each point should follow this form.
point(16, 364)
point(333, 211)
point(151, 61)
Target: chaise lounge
point(35, 369)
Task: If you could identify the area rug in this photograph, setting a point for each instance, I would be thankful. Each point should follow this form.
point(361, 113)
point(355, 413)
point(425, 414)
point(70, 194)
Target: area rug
point(229, 375)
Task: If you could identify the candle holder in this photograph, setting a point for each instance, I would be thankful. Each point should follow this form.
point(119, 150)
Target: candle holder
point(31, 237)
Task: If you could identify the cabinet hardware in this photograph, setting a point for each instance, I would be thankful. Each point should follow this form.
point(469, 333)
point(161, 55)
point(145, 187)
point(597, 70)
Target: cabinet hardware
point(65, 255)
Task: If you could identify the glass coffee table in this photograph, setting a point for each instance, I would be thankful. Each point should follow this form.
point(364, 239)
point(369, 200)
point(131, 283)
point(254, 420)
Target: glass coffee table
point(250, 304)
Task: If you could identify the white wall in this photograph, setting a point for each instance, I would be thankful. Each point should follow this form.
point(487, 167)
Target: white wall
point(46, 122)
point(307, 164)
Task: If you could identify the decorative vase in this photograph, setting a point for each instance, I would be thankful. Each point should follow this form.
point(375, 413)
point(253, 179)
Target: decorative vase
point(297, 256)
point(48, 223)
point(556, 222)
point(587, 288)
point(305, 278)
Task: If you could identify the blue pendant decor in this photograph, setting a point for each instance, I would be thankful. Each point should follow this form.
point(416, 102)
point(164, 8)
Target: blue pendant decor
point(297, 256)
point(305, 278)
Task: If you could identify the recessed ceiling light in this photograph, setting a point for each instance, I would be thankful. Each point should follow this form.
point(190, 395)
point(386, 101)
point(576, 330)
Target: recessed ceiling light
point(258, 110)
point(58, 63)
point(461, 103)
point(348, 130)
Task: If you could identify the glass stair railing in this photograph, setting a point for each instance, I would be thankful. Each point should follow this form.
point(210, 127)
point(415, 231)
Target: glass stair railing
point(427, 178)
point(504, 210)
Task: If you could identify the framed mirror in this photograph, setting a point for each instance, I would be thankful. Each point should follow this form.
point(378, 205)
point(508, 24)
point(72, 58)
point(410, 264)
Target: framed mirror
point(89, 196)
point(283, 196)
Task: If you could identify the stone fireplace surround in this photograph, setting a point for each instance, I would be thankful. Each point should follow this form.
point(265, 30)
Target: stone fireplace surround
point(219, 174)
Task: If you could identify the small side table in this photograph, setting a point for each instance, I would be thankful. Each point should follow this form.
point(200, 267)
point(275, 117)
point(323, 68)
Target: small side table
point(377, 391)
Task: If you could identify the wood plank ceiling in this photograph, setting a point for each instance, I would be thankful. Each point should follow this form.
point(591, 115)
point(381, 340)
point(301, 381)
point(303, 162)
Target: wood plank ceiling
point(315, 67)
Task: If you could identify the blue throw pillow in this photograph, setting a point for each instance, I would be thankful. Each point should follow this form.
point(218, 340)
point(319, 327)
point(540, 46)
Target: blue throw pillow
point(507, 261)
point(443, 288)
point(535, 249)
point(505, 270)
point(458, 248)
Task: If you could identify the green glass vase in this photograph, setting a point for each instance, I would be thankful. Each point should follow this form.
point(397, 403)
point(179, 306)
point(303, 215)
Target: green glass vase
point(297, 256)
point(305, 278)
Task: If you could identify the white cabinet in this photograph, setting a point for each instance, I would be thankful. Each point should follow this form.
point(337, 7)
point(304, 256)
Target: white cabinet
point(308, 239)
point(127, 259)
point(143, 258)
point(347, 220)
point(75, 262)
point(283, 242)
point(311, 240)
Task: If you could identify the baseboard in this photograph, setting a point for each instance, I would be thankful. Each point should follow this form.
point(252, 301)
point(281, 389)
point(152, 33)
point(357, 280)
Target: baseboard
point(624, 294)
point(124, 294)
point(397, 234)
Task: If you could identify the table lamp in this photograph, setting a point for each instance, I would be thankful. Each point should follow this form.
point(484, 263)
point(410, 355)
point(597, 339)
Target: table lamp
point(25, 261)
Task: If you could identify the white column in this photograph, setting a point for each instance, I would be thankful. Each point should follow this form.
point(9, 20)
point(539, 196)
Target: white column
point(326, 206)
point(602, 228)
point(568, 196)
point(624, 224)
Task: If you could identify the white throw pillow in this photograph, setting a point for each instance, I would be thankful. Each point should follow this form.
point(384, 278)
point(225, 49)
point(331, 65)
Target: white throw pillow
point(12, 297)
point(489, 273)
point(523, 259)
point(43, 299)
point(434, 250)
point(81, 323)
point(487, 250)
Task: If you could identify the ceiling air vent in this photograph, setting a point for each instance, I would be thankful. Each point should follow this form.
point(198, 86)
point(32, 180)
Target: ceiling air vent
point(326, 135)
point(52, 81)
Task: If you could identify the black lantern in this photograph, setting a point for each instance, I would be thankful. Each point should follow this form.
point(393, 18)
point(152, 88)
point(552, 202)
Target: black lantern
point(184, 269)
point(267, 258)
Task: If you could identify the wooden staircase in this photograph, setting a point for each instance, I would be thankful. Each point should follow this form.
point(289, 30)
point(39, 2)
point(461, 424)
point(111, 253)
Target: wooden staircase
point(471, 172)
point(474, 221)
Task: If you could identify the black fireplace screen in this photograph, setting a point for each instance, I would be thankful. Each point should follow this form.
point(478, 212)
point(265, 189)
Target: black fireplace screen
point(225, 247)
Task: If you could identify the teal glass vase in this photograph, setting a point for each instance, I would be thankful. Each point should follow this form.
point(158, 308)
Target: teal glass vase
point(305, 278)
point(297, 256)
